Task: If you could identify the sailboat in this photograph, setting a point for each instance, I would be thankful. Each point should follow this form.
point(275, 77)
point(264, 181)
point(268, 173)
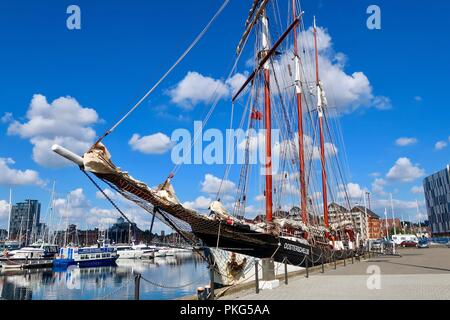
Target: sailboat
point(284, 92)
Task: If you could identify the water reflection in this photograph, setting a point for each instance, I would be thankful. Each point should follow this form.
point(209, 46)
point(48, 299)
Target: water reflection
point(108, 282)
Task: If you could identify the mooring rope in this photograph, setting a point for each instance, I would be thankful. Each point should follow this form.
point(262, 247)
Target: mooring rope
point(171, 287)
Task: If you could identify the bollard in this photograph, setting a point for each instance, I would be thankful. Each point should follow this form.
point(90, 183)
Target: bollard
point(307, 267)
point(335, 265)
point(211, 285)
point(201, 293)
point(256, 276)
point(353, 254)
point(345, 263)
point(323, 268)
point(137, 285)
point(285, 272)
point(207, 292)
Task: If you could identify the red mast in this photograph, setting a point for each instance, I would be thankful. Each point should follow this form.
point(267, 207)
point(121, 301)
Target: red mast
point(301, 149)
point(267, 117)
point(322, 142)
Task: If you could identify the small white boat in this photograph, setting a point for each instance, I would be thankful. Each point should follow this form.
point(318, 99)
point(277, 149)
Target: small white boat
point(148, 255)
point(160, 253)
point(12, 266)
point(143, 247)
point(166, 252)
point(127, 252)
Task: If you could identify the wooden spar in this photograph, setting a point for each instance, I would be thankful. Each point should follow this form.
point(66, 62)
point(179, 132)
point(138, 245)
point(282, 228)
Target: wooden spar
point(316, 53)
point(249, 25)
point(324, 174)
point(268, 126)
point(268, 56)
point(322, 140)
point(252, 12)
point(267, 117)
point(301, 149)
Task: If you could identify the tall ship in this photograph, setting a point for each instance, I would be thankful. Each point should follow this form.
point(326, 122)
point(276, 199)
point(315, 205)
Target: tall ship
point(302, 173)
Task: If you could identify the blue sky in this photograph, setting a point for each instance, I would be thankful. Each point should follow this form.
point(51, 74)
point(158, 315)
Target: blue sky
point(124, 47)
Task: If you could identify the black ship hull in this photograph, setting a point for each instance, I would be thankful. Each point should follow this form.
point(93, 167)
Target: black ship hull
point(261, 245)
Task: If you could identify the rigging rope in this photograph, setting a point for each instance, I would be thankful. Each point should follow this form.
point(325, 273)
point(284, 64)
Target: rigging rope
point(107, 197)
point(168, 72)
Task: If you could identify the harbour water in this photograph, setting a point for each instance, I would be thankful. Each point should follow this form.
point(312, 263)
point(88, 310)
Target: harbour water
point(170, 278)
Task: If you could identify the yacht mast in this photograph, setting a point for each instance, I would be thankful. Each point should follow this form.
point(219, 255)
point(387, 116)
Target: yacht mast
point(386, 222)
point(320, 106)
point(301, 147)
point(268, 115)
point(393, 218)
point(419, 217)
point(9, 215)
point(49, 216)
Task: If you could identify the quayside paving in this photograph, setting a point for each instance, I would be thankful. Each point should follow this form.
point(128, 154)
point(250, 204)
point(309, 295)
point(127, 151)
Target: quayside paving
point(416, 274)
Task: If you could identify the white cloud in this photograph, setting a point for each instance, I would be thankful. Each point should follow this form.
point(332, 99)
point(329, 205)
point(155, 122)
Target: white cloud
point(43, 154)
point(201, 203)
point(260, 197)
point(63, 121)
point(381, 103)
point(440, 145)
point(10, 176)
point(417, 189)
point(403, 209)
point(405, 171)
point(4, 213)
point(77, 209)
point(111, 194)
point(157, 143)
point(236, 82)
point(196, 88)
point(352, 190)
point(287, 149)
point(4, 209)
point(212, 184)
point(403, 142)
point(74, 206)
point(375, 174)
point(418, 98)
point(316, 195)
point(378, 186)
point(7, 117)
point(347, 92)
point(401, 205)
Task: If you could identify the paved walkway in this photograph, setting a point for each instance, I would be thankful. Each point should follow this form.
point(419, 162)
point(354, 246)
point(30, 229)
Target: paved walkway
point(418, 274)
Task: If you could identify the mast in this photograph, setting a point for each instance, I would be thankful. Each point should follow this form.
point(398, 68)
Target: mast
point(386, 222)
point(418, 216)
point(268, 115)
point(28, 223)
point(301, 147)
point(366, 218)
point(393, 218)
point(9, 215)
point(50, 237)
point(320, 105)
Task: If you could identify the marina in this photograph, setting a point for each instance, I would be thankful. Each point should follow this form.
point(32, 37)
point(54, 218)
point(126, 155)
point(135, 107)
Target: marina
point(172, 277)
point(232, 151)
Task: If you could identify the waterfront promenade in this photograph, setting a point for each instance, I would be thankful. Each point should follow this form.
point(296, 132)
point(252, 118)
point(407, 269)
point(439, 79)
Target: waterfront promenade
point(417, 274)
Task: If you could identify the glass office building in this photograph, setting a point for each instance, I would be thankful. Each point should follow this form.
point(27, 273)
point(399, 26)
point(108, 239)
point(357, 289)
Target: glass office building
point(437, 198)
